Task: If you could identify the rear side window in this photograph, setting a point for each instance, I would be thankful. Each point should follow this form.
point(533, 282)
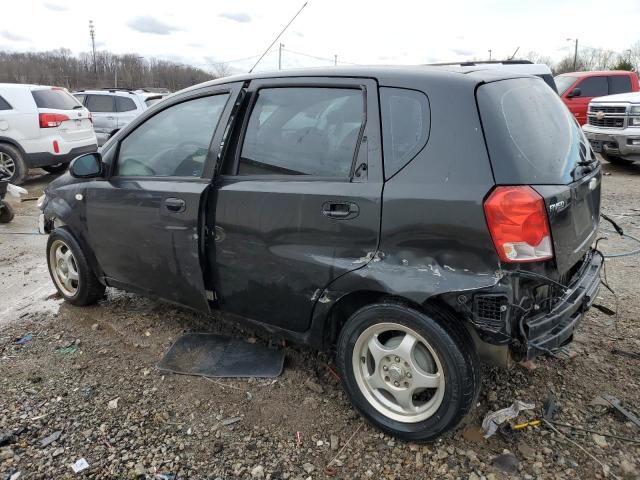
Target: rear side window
point(4, 105)
point(80, 97)
point(100, 103)
point(531, 136)
point(619, 84)
point(303, 131)
point(124, 104)
point(405, 126)
point(594, 87)
point(54, 98)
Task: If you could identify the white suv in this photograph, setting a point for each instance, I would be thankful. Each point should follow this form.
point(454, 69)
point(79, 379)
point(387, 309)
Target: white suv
point(113, 108)
point(42, 127)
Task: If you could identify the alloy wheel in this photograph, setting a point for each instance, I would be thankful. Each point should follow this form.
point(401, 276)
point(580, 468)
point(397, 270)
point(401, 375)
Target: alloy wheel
point(64, 268)
point(8, 162)
point(398, 372)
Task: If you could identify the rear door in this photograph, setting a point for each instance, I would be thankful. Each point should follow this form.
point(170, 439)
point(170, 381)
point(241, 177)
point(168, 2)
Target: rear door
point(298, 200)
point(127, 109)
point(144, 221)
point(532, 140)
point(73, 124)
point(103, 111)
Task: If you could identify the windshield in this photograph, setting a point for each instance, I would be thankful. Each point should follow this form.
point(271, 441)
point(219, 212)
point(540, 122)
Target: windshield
point(531, 136)
point(563, 82)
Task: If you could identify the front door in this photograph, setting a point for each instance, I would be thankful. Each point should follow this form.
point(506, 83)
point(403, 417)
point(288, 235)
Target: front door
point(144, 221)
point(590, 88)
point(298, 201)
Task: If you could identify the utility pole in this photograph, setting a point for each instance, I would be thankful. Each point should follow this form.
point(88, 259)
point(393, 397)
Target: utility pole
point(115, 80)
point(575, 56)
point(335, 60)
point(92, 34)
point(489, 54)
point(280, 56)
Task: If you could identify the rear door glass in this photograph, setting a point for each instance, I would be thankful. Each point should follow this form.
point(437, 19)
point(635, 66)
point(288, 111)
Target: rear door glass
point(619, 84)
point(124, 104)
point(405, 126)
point(100, 103)
point(531, 136)
point(54, 98)
point(594, 87)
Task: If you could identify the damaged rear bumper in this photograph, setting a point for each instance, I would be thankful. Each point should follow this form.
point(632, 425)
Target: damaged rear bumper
point(546, 333)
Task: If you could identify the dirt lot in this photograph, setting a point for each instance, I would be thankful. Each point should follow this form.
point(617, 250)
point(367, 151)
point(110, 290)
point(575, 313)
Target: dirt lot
point(177, 425)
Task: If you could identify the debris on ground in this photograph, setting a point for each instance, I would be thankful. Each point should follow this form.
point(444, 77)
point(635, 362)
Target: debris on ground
point(473, 433)
point(230, 421)
point(624, 353)
point(45, 442)
point(617, 405)
point(507, 462)
point(113, 404)
point(79, 465)
point(24, 339)
point(493, 420)
point(69, 348)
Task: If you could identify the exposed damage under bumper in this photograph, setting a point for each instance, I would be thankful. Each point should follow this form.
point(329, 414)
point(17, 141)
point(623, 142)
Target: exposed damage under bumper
point(527, 314)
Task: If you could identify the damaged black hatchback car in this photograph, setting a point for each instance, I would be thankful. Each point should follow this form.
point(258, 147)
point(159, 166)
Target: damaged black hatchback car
point(416, 221)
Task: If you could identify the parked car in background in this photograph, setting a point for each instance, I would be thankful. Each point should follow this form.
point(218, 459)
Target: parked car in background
point(266, 196)
point(41, 126)
point(613, 127)
point(577, 89)
point(512, 66)
point(113, 108)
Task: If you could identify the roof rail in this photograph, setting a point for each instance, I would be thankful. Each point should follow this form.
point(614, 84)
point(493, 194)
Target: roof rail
point(482, 62)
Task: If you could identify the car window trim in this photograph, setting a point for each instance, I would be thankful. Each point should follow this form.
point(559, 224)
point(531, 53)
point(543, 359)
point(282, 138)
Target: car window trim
point(152, 113)
point(262, 84)
point(2, 99)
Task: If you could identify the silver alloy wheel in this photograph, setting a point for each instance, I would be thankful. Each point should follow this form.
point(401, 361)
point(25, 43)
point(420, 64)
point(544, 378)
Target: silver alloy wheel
point(398, 372)
point(64, 269)
point(8, 162)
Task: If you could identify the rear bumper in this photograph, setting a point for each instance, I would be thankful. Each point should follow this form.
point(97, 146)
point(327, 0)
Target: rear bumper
point(548, 332)
point(619, 142)
point(43, 159)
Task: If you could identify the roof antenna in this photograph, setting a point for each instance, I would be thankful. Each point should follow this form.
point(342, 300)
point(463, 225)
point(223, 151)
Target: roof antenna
point(279, 35)
point(514, 54)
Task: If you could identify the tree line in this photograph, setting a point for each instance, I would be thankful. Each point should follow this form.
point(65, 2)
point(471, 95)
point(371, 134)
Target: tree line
point(590, 58)
point(62, 68)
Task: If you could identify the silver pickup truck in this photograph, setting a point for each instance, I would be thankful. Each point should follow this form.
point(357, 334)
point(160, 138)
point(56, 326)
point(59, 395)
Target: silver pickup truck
point(613, 127)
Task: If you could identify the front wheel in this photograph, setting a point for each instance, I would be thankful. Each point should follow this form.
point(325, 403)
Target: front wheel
point(405, 372)
point(6, 212)
point(70, 271)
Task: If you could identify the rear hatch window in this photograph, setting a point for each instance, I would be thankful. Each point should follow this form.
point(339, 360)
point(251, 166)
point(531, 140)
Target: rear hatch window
point(54, 98)
point(531, 136)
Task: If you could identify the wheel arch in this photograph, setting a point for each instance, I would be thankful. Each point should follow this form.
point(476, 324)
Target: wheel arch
point(13, 143)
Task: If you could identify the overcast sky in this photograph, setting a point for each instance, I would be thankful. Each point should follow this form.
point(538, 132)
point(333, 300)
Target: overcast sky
point(202, 33)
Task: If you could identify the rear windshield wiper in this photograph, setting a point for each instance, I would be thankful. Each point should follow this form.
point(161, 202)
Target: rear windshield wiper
point(77, 106)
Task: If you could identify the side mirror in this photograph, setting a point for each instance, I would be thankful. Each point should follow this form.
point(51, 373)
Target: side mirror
point(88, 165)
point(576, 92)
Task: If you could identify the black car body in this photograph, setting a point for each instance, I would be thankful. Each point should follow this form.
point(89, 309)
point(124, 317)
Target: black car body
point(306, 200)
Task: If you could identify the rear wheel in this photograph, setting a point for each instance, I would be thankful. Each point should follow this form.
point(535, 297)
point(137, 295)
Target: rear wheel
point(60, 167)
point(12, 161)
point(70, 271)
point(405, 372)
point(616, 160)
point(6, 212)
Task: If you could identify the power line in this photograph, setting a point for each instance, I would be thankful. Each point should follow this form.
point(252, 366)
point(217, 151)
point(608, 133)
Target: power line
point(326, 59)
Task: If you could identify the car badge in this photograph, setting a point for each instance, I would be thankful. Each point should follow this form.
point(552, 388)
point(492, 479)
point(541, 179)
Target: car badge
point(600, 115)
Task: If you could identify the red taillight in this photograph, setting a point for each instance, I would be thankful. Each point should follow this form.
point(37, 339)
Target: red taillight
point(518, 224)
point(49, 120)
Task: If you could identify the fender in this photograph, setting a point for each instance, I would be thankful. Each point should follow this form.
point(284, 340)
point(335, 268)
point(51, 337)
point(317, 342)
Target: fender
point(13, 143)
point(58, 212)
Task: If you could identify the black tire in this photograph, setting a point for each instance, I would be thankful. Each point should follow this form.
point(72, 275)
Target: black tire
point(6, 212)
point(60, 167)
point(616, 160)
point(457, 356)
point(89, 289)
point(20, 168)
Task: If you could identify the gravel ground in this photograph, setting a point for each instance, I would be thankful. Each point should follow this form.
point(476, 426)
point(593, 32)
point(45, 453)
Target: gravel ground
point(86, 386)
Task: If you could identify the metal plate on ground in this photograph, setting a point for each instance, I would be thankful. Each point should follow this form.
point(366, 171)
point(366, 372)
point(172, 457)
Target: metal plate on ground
point(212, 355)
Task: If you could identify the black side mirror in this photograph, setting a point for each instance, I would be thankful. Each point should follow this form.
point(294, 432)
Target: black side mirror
point(576, 92)
point(88, 165)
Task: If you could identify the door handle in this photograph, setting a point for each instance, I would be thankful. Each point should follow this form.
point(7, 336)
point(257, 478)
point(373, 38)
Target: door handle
point(340, 210)
point(111, 118)
point(174, 204)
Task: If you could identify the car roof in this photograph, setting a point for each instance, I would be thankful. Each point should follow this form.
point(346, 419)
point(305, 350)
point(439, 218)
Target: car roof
point(28, 86)
point(384, 74)
point(595, 73)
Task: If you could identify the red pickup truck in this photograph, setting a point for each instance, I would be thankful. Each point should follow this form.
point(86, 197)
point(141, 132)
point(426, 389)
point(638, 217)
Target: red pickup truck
point(578, 88)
